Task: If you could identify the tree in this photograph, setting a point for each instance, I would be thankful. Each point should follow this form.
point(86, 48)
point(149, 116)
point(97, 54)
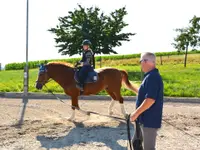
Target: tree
point(105, 32)
point(183, 41)
point(195, 31)
point(195, 21)
point(188, 37)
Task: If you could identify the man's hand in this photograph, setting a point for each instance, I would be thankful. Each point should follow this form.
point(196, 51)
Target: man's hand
point(79, 63)
point(133, 116)
point(144, 106)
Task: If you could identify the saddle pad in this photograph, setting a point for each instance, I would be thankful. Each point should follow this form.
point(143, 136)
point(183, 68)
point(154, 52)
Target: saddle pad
point(91, 78)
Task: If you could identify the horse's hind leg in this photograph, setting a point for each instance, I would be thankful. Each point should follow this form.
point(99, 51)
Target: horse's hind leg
point(121, 101)
point(110, 112)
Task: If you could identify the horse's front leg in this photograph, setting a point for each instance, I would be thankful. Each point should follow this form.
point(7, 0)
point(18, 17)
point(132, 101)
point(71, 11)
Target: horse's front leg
point(71, 118)
point(74, 103)
point(75, 106)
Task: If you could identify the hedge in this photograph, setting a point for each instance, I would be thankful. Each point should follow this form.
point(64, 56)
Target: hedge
point(34, 64)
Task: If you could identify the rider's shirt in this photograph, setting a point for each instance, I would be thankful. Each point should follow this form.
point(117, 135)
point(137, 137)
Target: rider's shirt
point(88, 58)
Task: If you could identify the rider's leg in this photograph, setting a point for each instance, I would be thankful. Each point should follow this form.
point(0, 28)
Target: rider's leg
point(82, 76)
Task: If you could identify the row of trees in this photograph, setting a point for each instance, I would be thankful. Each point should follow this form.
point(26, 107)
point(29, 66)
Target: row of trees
point(188, 37)
point(105, 32)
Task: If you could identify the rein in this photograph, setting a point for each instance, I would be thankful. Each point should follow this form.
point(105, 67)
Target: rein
point(96, 113)
point(128, 131)
point(89, 112)
point(43, 83)
point(118, 118)
point(194, 137)
point(61, 99)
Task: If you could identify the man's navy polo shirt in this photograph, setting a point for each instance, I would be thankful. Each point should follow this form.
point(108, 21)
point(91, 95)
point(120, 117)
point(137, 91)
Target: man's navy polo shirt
point(151, 87)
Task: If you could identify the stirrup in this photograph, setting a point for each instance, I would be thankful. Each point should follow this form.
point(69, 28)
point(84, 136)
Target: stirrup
point(79, 86)
point(81, 92)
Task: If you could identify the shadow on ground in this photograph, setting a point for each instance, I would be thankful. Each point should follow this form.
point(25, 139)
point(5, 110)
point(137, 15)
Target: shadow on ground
point(99, 136)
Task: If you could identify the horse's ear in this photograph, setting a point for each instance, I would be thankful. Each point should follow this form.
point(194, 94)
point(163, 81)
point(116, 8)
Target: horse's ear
point(42, 67)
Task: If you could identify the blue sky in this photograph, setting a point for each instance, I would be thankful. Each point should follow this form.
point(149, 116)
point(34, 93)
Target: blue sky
point(152, 20)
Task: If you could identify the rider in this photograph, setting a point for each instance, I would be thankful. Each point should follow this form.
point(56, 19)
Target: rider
point(87, 63)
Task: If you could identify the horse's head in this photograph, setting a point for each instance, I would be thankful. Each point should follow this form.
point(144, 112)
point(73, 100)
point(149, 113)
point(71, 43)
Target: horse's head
point(43, 77)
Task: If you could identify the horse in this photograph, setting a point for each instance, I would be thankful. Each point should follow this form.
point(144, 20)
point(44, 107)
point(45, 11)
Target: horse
point(107, 78)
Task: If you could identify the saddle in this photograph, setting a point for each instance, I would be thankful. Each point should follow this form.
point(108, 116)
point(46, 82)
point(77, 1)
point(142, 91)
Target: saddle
point(91, 78)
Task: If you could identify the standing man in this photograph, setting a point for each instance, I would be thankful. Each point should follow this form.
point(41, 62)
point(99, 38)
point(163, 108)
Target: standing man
point(149, 103)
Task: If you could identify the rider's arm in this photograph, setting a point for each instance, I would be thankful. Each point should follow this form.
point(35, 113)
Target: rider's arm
point(82, 58)
point(81, 61)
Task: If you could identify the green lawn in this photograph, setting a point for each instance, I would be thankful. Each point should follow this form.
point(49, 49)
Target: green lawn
point(178, 81)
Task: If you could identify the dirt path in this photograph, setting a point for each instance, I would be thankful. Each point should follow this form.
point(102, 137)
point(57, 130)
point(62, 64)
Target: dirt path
point(45, 127)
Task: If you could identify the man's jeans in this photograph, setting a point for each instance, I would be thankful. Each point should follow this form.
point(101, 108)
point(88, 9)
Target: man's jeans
point(148, 135)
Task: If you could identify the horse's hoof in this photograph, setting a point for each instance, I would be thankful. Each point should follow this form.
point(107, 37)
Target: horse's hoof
point(70, 119)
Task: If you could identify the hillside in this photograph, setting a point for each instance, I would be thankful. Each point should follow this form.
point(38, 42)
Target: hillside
point(178, 81)
point(34, 64)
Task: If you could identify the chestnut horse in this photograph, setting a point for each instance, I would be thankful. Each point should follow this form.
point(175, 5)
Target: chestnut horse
point(109, 79)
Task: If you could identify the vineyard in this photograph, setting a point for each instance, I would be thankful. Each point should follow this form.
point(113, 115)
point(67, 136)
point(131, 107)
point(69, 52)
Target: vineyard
point(34, 64)
point(178, 80)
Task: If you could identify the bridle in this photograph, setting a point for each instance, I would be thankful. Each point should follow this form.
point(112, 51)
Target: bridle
point(43, 70)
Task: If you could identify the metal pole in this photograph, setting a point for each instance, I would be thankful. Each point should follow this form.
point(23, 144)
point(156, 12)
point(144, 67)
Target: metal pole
point(26, 72)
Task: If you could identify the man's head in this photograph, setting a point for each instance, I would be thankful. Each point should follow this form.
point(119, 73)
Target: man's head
point(86, 44)
point(147, 61)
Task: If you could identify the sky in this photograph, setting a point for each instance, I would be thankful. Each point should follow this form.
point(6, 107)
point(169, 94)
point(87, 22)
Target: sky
point(153, 21)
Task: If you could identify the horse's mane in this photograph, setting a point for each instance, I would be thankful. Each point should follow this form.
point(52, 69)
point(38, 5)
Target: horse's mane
point(61, 64)
point(69, 65)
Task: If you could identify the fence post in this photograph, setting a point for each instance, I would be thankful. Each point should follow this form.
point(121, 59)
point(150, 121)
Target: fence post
point(161, 60)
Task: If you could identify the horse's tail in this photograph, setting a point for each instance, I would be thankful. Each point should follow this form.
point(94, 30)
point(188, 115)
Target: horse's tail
point(127, 82)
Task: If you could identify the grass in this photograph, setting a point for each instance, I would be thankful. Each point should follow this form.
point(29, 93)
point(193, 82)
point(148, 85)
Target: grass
point(178, 81)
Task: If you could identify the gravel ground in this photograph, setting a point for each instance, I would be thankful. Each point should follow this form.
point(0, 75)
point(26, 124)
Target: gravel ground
point(46, 127)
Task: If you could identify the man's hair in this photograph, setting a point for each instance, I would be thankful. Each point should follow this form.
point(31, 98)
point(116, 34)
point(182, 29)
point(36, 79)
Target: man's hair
point(150, 56)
